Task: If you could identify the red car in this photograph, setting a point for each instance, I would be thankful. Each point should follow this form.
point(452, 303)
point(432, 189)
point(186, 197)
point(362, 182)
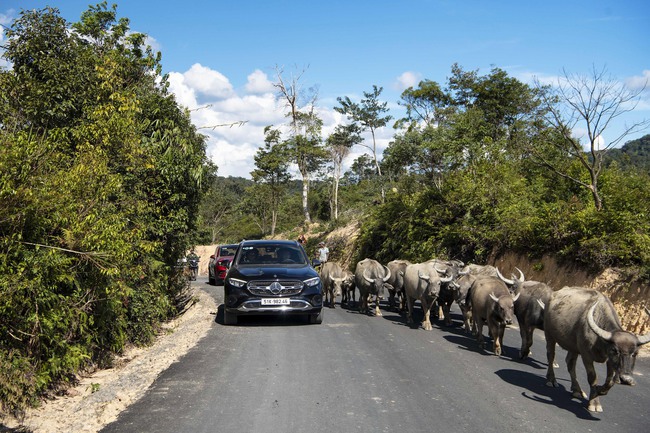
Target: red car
point(218, 265)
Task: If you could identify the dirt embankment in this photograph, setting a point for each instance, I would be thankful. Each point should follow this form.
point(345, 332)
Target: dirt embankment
point(629, 295)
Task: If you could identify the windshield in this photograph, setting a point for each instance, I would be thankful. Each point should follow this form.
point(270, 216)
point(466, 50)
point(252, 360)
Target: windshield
point(228, 250)
point(271, 255)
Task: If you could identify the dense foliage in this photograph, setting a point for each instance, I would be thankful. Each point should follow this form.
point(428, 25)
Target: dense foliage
point(100, 182)
point(633, 154)
point(470, 187)
point(463, 181)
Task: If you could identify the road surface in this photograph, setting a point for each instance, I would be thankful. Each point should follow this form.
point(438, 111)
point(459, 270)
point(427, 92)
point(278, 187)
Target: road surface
point(358, 373)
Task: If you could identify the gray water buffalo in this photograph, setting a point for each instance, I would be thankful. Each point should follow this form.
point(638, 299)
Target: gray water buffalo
point(422, 282)
point(332, 277)
point(449, 291)
point(466, 277)
point(584, 322)
point(396, 280)
point(491, 303)
point(370, 277)
point(348, 288)
point(529, 310)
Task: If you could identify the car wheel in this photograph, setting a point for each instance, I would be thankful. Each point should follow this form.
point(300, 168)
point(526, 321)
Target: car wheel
point(229, 318)
point(211, 281)
point(317, 318)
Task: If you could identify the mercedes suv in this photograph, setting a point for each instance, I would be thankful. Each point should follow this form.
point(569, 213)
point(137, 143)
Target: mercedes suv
point(272, 277)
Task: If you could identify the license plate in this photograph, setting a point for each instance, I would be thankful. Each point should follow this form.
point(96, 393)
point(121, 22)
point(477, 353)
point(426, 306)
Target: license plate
point(276, 301)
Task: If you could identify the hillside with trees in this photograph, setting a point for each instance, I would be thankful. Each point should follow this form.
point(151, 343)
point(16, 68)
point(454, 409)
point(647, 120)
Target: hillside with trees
point(101, 176)
point(634, 154)
point(105, 184)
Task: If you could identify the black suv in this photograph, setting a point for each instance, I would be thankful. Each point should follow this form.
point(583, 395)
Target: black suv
point(272, 277)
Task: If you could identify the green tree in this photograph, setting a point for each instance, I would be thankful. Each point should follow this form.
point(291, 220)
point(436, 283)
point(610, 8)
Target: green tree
point(304, 142)
point(427, 104)
point(589, 103)
point(339, 144)
point(272, 172)
point(369, 114)
point(100, 179)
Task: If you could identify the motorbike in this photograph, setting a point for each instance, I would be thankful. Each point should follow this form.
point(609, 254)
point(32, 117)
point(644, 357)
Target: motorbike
point(193, 265)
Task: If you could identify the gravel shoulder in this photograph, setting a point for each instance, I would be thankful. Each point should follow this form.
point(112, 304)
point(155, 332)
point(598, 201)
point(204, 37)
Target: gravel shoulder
point(100, 397)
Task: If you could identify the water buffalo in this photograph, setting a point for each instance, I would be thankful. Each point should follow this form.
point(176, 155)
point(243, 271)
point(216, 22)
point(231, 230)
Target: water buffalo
point(491, 303)
point(584, 322)
point(529, 310)
point(449, 291)
point(466, 278)
point(396, 280)
point(370, 277)
point(332, 277)
point(348, 288)
point(422, 282)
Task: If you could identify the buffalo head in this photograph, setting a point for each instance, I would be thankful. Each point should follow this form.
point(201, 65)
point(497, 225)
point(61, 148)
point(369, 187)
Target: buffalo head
point(622, 347)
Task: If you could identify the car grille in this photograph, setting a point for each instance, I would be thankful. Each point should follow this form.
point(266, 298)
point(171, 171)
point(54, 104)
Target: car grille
point(275, 288)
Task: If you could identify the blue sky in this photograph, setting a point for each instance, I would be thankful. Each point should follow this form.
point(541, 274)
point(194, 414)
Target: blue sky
point(221, 55)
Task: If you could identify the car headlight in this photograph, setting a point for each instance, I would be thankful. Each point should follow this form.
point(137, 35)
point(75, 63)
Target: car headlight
point(237, 283)
point(312, 282)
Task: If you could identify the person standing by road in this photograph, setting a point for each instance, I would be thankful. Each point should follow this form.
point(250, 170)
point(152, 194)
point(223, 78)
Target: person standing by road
point(323, 253)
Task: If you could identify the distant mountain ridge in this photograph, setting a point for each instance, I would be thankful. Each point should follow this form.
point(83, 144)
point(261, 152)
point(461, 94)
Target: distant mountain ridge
point(633, 154)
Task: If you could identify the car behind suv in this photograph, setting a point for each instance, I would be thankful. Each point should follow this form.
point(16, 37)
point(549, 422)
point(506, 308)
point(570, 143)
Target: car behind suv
point(219, 261)
point(272, 277)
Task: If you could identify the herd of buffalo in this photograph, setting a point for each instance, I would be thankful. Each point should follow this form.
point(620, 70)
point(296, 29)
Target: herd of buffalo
point(582, 321)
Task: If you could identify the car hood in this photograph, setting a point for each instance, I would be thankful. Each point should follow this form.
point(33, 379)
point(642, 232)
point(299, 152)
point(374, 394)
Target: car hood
point(277, 272)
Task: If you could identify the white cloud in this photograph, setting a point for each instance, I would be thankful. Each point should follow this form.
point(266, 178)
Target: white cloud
point(184, 93)
point(231, 145)
point(258, 83)
point(639, 82)
point(407, 79)
point(208, 82)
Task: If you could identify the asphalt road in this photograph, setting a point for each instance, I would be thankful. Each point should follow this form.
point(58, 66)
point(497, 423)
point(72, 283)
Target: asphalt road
point(357, 373)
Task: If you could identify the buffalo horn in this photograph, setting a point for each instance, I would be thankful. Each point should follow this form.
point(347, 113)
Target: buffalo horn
point(387, 276)
point(365, 277)
point(423, 276)
point(446, 279)
point(504, 279)
point(541, 304)
point(514, 298)
point(645, 339)
point(521, 275)
point(494, 298)
point(440, 271)
point(605, 335)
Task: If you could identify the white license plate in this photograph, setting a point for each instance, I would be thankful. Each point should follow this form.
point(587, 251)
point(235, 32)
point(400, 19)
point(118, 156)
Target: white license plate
point(276, 301)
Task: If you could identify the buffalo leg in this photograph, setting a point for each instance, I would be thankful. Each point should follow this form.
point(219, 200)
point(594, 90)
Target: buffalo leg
point(497, 335)
point(426, 308)
point(377, 310)
point(576, 391)
point(550, 359)
point(478, 328)
point(594, 390)
point(410, 307)
point(526, 333)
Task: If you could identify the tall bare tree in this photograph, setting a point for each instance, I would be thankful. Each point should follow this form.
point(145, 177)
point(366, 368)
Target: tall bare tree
point(339, 145)
point(304, 144)
point(587, 104)
point(369, 115)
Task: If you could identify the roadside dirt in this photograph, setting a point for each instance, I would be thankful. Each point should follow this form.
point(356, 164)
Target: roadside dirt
point(99, 398)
